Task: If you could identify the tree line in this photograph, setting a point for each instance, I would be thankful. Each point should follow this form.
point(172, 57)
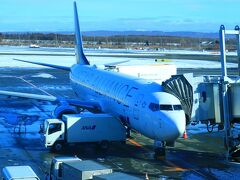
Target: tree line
point(115, 41)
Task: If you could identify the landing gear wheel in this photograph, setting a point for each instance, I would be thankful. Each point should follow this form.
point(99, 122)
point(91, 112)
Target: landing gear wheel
point(160, 149)
point(159, 152)
point(128, 133)
point(57, 147)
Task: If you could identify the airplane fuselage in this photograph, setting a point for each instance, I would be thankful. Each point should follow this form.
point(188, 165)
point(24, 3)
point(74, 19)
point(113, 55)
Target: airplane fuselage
point(135, 101)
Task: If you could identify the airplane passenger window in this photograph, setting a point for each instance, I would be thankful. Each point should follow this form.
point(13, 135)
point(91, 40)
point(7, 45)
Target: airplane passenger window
point(166, 107)
point(177, 107)
point(154, 107)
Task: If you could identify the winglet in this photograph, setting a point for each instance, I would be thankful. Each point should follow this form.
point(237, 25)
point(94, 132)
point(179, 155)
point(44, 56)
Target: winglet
point(80, 56)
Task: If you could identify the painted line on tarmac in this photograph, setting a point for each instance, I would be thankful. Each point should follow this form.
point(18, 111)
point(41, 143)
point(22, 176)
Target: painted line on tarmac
point(173, 167)
point(135, 143)
point(33, 85)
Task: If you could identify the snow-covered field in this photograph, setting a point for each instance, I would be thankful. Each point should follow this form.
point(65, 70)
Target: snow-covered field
point(44, 75)
point(7, 60)
point(26, 49)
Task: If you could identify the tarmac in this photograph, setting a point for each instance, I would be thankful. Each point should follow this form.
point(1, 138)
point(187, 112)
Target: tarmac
point(200, 156)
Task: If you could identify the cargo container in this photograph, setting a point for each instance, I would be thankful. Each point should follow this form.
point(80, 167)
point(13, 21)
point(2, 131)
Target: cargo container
point(74, 168)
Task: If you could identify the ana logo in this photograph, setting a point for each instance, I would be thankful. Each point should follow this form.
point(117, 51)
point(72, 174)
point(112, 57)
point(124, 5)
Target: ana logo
point(88, 127)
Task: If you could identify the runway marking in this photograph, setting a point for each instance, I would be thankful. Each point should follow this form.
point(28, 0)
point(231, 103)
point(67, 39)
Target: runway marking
point(175, 167)
point(134, 143)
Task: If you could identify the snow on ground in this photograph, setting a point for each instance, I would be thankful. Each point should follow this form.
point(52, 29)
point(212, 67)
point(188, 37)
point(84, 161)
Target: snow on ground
point(26, 49)
point(7, 60)
point(199, 128)
point(44, 75)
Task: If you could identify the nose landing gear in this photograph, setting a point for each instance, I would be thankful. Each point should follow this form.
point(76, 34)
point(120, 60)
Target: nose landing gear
point(160, 149)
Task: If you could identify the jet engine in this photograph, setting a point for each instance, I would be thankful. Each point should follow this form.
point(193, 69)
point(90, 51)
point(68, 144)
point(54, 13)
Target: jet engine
point(64, 109)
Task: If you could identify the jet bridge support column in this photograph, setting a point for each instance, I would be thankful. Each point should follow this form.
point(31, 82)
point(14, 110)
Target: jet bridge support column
point(238, 47)
point(225, 83)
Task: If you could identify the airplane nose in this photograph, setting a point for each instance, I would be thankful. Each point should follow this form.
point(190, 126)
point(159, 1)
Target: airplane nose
point(176, 128)
point(173, 126)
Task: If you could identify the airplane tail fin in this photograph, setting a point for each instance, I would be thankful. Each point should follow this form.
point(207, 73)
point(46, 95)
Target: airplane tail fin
point(80, 56)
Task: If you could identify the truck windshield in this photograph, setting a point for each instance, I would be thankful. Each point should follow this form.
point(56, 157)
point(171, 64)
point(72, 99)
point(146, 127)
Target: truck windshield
point(54, 127)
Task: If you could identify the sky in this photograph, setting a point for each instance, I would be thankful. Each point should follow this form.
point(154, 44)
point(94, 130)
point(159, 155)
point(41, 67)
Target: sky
point(119, 15)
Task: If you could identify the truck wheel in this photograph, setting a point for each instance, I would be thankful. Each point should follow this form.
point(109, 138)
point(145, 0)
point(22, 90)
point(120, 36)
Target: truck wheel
point(123, 142)
point(58, 147)
point(104, 145)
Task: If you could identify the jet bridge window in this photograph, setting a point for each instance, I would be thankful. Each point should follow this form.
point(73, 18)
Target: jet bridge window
point(54, 127)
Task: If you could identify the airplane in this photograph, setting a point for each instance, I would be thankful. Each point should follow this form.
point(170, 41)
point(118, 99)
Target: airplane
point(140, 104)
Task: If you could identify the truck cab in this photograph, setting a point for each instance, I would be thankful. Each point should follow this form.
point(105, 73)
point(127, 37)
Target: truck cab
point(54, 130)
point(56, 167)
point(19, 173)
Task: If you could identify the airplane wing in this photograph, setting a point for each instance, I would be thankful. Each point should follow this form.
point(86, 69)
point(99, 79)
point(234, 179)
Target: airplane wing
point(29, 96)
point(109, 65)
point(89, 105)
point(114, 64)
point(45, 64)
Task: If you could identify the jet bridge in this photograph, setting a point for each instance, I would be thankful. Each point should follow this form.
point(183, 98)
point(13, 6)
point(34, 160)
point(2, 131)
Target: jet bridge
point(179, 86)
point(212, 99)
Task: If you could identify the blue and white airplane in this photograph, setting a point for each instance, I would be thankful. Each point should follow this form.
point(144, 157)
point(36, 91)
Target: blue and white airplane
point(140, 104)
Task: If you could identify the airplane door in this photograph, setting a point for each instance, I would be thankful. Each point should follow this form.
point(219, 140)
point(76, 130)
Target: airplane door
point(137, 105)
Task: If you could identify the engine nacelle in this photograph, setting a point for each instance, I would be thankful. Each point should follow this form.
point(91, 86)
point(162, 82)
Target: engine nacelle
point(64, 109)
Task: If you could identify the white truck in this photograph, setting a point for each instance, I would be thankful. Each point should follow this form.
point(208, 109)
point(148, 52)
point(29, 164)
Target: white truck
point(74, 168)
point(80, 128)
point(19, 173)
point(56, 167)
point(157, 72)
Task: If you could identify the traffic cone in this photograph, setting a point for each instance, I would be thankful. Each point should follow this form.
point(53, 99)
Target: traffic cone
point(185, 135)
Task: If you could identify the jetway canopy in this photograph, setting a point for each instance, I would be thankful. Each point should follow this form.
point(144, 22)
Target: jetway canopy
point(180, 87)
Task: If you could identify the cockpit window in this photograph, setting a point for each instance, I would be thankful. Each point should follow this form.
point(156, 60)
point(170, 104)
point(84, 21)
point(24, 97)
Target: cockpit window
point(177, 107)
point(164, 107)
